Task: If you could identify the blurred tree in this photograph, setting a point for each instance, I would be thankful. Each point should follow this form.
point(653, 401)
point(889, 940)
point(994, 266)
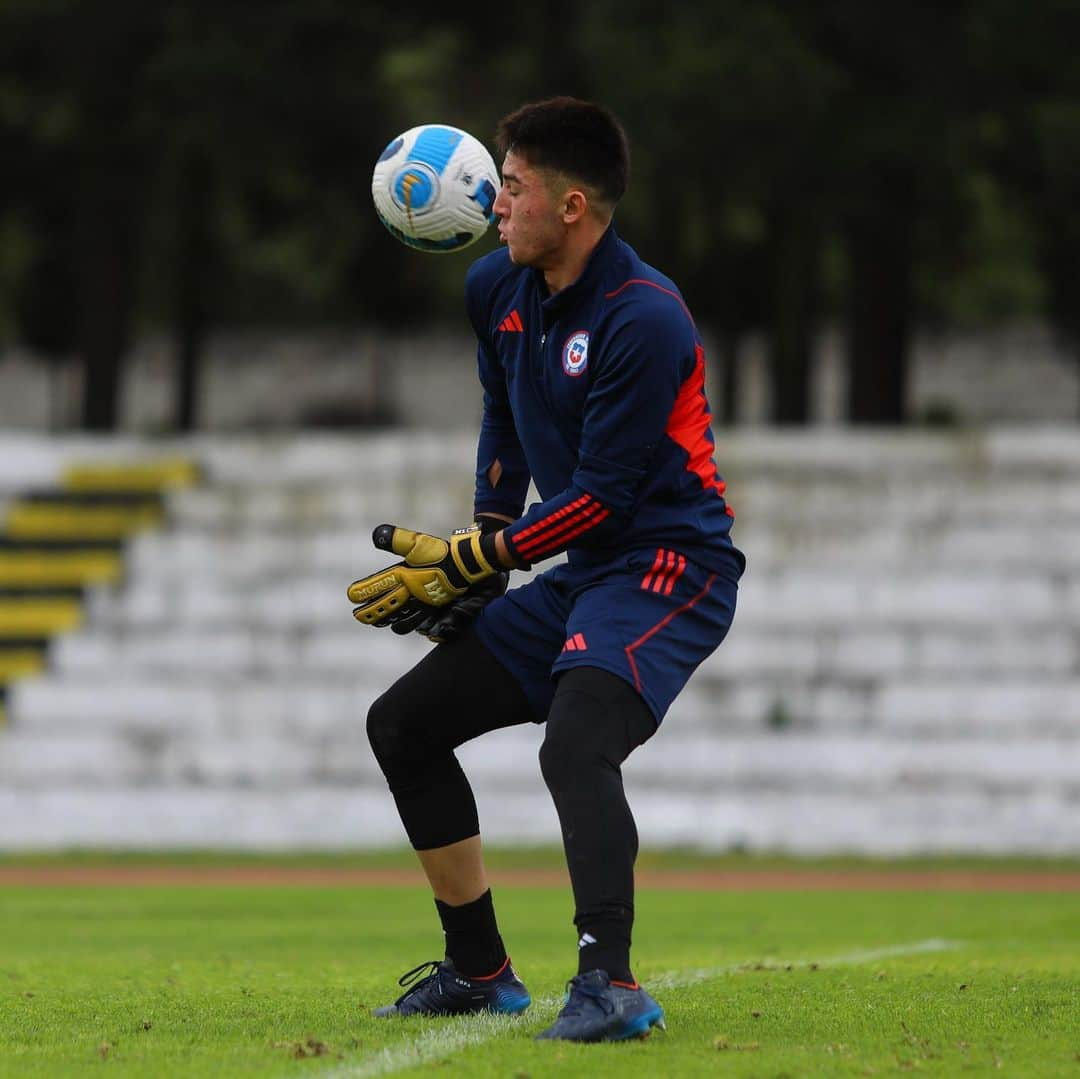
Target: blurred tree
point(79, 79)
point(897, 151)
point(724, 108)
point(191, 165)
point(35, 194)
point(1027, 59)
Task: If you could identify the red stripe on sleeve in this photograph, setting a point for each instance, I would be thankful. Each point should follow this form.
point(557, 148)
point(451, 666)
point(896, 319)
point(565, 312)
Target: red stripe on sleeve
point(555, 542)
point(554, 535)
point(545, 521)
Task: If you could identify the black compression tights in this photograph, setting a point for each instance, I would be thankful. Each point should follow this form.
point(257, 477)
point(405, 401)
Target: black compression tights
point(459, 691)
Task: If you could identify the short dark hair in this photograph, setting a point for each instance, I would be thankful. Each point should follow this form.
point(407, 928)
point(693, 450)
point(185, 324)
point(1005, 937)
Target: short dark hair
point(578, 138)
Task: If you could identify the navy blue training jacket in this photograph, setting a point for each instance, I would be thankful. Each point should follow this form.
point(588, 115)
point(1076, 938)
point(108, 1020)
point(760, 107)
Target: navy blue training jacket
point(598, 394)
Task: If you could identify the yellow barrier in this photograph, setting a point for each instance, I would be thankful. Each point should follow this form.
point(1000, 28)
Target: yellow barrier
point(167, 474)
point(40, 617)
point(50, 520)
point(58, 569)
point(20, 663)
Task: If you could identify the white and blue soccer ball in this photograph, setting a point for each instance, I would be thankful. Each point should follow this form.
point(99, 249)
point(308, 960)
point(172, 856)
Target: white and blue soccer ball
point(434, 187)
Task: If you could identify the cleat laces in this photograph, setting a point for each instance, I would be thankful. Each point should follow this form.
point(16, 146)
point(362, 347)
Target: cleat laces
point(578, 991)
point(417, 978)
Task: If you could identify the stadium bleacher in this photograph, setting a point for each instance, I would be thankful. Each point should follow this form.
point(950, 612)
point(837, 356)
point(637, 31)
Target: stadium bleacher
point(903, 674)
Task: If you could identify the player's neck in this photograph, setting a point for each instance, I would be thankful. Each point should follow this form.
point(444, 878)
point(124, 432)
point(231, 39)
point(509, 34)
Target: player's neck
point(581, 242)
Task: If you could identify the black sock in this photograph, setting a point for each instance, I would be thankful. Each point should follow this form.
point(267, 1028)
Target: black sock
point(604, 944)
point(473, 943)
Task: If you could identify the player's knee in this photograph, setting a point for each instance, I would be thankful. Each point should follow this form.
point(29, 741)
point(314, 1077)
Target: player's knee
point(385, 724)
point(557, 761)
point(571, 756)
point(596, 721)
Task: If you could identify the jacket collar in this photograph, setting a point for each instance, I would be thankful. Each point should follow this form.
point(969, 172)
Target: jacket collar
point(553, 306)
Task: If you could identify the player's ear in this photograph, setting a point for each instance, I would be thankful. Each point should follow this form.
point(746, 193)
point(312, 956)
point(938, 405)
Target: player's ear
point(575, 205)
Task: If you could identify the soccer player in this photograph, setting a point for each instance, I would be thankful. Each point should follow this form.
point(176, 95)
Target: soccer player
point(593, 378)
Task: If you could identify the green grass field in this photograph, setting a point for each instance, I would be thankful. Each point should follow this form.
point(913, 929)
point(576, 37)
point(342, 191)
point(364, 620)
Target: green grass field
point(279, 981)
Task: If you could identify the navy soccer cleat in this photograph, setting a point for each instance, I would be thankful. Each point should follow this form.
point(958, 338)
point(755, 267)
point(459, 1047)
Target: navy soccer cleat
point(600, 1010)
point(436, 988)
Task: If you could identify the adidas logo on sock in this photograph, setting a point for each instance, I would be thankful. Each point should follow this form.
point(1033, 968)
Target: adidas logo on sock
point(586, 938)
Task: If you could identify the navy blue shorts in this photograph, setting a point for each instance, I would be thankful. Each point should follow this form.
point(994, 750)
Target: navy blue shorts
point(649, 617)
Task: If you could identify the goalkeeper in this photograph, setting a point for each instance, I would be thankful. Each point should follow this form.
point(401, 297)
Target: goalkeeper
point(593, 378)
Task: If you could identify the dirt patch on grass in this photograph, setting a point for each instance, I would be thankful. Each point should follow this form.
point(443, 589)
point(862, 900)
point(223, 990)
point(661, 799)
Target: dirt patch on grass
point(718, 880)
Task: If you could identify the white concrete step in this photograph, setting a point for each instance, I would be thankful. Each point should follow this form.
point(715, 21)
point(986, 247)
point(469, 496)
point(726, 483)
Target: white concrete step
point(821, 452)
point(842, 653)
point(440, 495)
point(858, 652)
point(1036, 547)
point(827, 507)
point(324, 543)
point(320, 818)
point(826, 597)
point(177, 757)
point(823, 597)
point(320, 704)
point(280, 653)
point(939, 708)
point(675, 759)
point(946, 498)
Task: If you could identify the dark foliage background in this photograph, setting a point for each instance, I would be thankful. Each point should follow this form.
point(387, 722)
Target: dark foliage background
point(194, 164)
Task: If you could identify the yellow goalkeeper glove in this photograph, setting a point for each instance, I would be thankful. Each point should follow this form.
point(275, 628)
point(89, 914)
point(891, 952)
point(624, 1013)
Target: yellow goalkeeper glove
point(434, 571)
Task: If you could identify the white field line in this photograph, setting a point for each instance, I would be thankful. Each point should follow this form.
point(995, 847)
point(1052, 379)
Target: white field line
point(679, 979)
point(465, 1032)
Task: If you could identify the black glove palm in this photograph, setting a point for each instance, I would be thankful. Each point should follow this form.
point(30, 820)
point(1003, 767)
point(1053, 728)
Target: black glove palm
point(442, 624)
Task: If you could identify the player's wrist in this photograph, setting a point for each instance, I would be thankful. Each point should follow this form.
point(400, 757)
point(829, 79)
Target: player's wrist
point(495, 546)
point(489, 548)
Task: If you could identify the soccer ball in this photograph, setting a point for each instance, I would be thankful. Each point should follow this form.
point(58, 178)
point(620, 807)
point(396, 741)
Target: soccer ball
point(434, 187)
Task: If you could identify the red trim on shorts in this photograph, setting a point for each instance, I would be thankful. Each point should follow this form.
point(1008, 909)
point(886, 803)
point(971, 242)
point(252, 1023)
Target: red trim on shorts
point(659, 626)
point(647, 582)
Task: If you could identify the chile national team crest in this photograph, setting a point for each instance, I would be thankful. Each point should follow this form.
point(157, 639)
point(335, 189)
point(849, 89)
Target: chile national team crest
point(575, 353)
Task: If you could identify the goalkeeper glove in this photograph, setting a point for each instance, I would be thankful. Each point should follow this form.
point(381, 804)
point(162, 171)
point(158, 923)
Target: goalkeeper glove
point(441, 624)
point(434, 571)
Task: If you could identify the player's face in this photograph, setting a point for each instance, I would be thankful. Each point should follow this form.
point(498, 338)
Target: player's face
point(530, 215)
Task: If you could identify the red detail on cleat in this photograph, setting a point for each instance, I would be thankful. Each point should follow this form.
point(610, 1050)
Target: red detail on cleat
point(625, 985)
point(488, 977)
